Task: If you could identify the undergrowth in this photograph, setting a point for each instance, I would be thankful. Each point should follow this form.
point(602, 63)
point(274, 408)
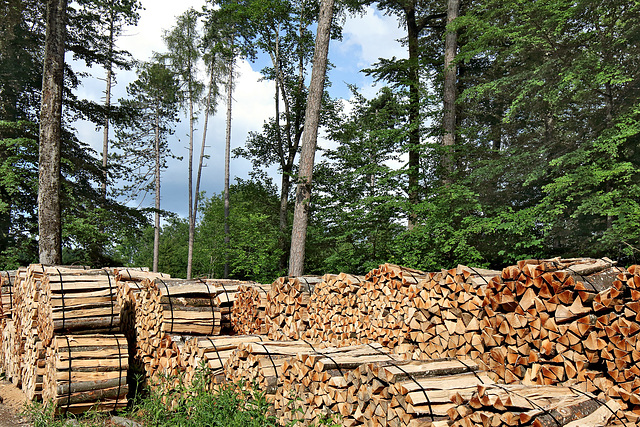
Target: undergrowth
point(170, 405)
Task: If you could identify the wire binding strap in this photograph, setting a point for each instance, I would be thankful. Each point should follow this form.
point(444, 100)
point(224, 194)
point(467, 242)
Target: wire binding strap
point(115, 406)
point(62, 295)
point(170, 303)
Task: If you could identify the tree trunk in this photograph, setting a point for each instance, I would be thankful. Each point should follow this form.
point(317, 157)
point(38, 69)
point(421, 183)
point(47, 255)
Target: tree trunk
point(449, 99)
point(156, 231)
point(227, 151)
point(49, 212)
point(107, 105)
point(201, 159)
point(192, 223)
point(414, 111)
point(309, 139)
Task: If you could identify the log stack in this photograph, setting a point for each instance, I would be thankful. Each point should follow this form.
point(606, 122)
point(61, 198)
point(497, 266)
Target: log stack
point(618, 326)
point(540, 324)
point(83, 301)
point(86, 372)
point(384, 303)
point(316, 384)
point(445, 315)
point(7, 282)
point(211, 353)
point(129, 283)
point(288, 307)
point(526, 405)
point(248, 314)
point(333, 312)
point(261, 363)
point(183, 307)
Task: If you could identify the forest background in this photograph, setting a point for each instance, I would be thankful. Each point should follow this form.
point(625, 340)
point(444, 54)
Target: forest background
point(543, 160)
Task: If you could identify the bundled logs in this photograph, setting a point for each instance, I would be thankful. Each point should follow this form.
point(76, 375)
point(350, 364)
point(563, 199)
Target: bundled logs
point(183, 307)
point(317, 383)
point(261, 363)
point(129, 283)
point(333, 313)
point(288, 307)
point(77, 302)
point(525, 405)
point(248, 314)
point(445, 314)
point(86, 372)
point(212, 353)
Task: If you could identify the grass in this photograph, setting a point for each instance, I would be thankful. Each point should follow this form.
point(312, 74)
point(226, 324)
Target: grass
point(199, 405)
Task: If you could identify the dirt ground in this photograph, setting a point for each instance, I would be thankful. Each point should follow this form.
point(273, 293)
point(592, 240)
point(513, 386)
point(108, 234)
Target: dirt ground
point(12, 404)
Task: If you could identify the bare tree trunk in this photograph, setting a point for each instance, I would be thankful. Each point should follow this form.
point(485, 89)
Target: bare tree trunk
point(309, 139)
point(227, 152)
point(194, 214)
point(192, 223)
point(107, 105)
point(414, 110)
point(449, 99)
point(156, 231)
point(49, 212)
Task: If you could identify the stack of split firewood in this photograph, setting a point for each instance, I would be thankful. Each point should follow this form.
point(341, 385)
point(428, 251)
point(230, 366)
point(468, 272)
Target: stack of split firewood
point(87, 372)
point(7, 282)
point(288, 307)
point(129, 283)
point(248, 314)
point(333, 311)
point(262, 363)
point(317, 384)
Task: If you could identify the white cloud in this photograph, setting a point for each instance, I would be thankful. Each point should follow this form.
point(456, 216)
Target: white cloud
point(374, 35)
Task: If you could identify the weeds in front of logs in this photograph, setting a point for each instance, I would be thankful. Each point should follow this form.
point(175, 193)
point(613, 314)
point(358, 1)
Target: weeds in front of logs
point(170, 403)
point(41, 415)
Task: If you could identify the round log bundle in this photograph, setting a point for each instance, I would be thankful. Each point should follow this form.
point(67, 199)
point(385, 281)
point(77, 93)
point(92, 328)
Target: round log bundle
point(86, 372)
point(83, 301)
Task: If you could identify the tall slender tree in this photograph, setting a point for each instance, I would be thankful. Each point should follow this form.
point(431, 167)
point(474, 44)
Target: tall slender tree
point(143, 139)
point(184, 53)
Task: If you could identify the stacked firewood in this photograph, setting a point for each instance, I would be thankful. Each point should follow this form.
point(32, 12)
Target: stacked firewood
point(411, 392)
point(86, 372)
point(248, 314)
point(333, 311)
point(129, 283)
point(77, 302)
point(165, 366)
point(444, 319)
point(261, 363)
point(316, 384)
point(540, 323)
point(527, 405)
point(11, 353)
point(384, 304)
point(207, 356)
point(288, 307)
point(7, 281)
point(618, 326)
point(183, 307)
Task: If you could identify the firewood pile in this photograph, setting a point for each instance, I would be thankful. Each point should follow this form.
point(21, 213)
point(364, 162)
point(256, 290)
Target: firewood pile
point(537, 343)
point(7, 281)
point(85, 372)
point(51, 302)
point(249, 311)
point(287, 311)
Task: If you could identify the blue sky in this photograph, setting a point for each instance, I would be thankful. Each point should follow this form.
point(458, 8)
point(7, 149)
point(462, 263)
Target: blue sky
point(365, 39)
